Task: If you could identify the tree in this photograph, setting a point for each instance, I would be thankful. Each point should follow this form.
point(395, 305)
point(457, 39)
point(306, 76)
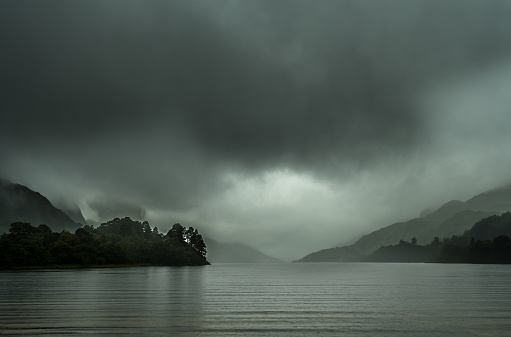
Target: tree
point(414, 241)
point(83, 236)
point(21, 230)
point(177, 233)
point(194, 239)
point(147, 230)
point(199, 245)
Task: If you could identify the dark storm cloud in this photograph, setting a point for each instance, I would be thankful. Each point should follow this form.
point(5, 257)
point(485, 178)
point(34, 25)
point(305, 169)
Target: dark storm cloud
point(238, 113)
point(274, 83)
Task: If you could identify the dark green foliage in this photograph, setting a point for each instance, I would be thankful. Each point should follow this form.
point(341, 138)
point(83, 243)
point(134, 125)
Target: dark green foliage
point(491, 227)
point(26, 245)
point(119, 241)
point(488, 241)
point(176, 234)
point(435, 242)
point(402, 252)
point(497, 250)
point(194, 239)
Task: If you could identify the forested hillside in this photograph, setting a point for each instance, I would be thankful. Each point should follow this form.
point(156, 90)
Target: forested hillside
point(488, 241)
point(452, 218)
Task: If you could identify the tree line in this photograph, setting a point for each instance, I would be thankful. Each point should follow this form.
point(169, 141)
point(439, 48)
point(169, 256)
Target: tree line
point(116, 242)
point(488, 241)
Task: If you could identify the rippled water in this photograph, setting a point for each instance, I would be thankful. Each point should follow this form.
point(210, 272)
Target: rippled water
point(295, 299)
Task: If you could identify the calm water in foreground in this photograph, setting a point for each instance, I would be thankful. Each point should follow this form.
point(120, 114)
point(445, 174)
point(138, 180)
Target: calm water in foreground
point(325, 299)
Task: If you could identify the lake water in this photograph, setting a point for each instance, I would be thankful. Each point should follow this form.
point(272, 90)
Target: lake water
point(288, 299)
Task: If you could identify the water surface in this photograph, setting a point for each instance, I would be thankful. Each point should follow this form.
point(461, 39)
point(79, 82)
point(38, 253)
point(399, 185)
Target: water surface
point(293, 299)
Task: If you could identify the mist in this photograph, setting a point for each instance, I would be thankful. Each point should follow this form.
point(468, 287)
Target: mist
point(289, 126)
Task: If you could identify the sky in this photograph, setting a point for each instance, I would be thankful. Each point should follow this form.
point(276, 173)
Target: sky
point(289, 126)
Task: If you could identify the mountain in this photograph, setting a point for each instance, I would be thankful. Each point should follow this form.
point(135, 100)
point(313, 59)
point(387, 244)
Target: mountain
point(491, 227)
point(403, 252)
point(423, 229)
point(497, 200)
point(337, 254)
point(488, 241)
point(72, 210)
point(19, 203)
point(235, 253)
point(452, 218)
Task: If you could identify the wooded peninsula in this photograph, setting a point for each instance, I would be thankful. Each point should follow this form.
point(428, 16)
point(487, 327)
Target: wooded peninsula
point(117, 242)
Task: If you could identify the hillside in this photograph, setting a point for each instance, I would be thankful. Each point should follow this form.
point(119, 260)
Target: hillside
point(424, 229)
point(235, 253)
point(72, 210)
point(488, 241)
point(452, 218)
point(18, 203)
point(337, 254)
point(403, 252)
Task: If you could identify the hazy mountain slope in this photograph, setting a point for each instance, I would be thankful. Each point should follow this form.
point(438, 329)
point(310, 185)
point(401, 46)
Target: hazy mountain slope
point(497, 200)
point(491, 227)
point(72, 210)
point(446, 211)
point(423, 229)
point(337, 254)
point(19, 203)
point(391, 235)
point(456, 224)
point(452, 218)
point(402, 252)
point(235, 253)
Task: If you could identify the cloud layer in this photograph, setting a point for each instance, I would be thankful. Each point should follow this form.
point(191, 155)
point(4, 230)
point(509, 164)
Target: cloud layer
point(267, 118)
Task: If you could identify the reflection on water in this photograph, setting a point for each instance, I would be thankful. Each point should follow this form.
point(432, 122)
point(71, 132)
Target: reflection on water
point(260, 300)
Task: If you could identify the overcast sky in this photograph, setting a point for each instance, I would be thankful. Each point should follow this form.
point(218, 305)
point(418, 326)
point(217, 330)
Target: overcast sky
point(290, 126)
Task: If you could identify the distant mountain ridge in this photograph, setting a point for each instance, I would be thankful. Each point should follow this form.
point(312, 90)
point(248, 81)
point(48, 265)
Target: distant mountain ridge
point(452, 218)
point(235, 253)
point(72, 210)
point(18, 203)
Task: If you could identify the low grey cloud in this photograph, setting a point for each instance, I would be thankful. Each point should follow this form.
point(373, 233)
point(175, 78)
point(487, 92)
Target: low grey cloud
point(109, 209)
point(177, 105)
